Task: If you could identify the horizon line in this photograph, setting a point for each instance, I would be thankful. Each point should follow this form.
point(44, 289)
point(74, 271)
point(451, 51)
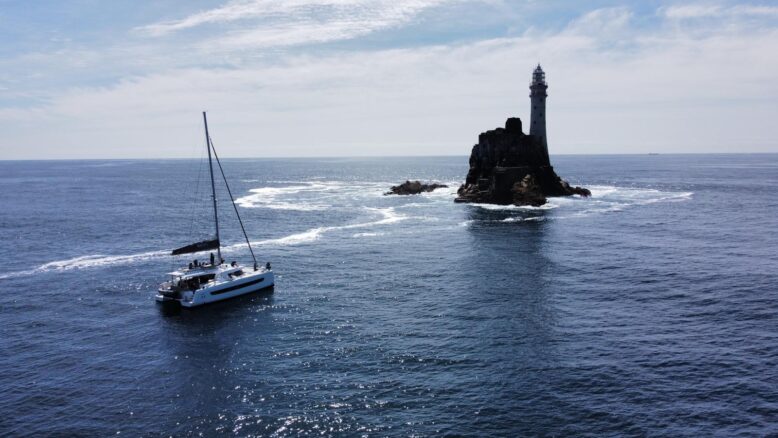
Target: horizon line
point(369, 156)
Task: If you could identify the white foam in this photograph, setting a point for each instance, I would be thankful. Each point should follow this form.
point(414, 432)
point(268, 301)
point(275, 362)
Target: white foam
point(276, 197)
point(524, 219)
point(358, 235)
point(602, 191)
point(390, 217)
point(496, 207)
point(312, 195)
point(609, 199)
point(443, 192)
point(636, 195)
point(387, 216)
point(416, 205)
point(296, 239)
point(87, 261)
point(604, 199)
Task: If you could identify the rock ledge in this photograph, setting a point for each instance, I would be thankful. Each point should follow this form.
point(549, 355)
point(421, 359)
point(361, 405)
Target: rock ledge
point(510, 167)
point(413, 188)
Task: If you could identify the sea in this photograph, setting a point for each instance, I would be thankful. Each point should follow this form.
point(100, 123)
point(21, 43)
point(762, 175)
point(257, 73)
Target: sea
point(649, 309)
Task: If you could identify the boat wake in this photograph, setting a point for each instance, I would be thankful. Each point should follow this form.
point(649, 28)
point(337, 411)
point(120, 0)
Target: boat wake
point(274, 197)
point(87, 261)
point(310, 196)
point(330, 194)
point(387, 216)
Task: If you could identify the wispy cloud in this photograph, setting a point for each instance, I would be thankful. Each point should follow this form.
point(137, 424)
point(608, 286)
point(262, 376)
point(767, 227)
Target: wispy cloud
point(706, 10)
point(617, 84)
point(263, 23)
point(602, 23)
point(664, 90)
point(245, 9)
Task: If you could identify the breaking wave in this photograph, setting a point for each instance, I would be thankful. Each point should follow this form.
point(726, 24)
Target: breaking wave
point(525, 219)
point(607, 199)
point(604, 199)
point(495, 207)
point(275, 197)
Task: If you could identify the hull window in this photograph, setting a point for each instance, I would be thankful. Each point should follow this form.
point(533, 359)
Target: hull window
point(240, 286)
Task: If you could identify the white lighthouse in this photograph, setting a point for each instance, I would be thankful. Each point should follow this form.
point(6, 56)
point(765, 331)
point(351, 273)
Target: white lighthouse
point(538, 96)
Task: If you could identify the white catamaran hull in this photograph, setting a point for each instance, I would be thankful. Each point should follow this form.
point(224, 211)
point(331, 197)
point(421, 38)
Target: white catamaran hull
point(204, 283)
point(221, 291)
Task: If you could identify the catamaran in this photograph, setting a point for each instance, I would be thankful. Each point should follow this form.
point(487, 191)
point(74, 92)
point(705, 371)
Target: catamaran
point(214, 280)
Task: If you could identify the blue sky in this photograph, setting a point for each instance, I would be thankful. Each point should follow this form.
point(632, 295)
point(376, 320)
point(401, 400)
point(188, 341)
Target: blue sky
point(126, 79)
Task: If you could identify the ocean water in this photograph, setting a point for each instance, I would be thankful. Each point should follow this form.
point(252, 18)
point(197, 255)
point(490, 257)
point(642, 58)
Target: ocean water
point(649, 309)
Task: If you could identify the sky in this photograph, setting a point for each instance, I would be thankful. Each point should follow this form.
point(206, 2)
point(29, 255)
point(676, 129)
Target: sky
point(299, 78)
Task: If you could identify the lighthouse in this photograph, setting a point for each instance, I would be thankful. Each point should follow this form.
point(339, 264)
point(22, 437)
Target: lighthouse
point(538, 96)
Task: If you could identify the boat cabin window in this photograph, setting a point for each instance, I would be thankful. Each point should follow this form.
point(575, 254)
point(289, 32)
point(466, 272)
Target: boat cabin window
point(193, 283)
point(237, 273)
point(205, 278)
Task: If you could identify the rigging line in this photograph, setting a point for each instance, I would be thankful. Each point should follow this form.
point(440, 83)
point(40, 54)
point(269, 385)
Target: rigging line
point(193, 210)
point(233, 202)
point(195, 195)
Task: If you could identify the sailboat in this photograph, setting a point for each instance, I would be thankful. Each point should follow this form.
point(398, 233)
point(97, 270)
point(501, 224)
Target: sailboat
point(210, 281)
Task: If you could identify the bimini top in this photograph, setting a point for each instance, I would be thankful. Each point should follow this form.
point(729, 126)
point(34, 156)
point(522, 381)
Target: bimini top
point(201, 270)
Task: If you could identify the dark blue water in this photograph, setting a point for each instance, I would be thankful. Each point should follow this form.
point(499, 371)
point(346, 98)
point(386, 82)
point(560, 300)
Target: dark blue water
point(649, 309)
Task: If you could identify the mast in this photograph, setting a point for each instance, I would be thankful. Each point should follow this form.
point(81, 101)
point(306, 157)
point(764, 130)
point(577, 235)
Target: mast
point(232, 199)
point(213, 188)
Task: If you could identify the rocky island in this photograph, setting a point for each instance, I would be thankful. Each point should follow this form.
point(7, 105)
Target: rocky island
point(510, 167)
point(413, 188)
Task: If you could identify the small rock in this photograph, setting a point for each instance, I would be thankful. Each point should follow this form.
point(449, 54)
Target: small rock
point(413, 188)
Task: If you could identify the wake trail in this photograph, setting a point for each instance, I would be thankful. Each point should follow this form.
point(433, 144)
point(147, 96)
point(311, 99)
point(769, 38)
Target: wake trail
point(388, 216)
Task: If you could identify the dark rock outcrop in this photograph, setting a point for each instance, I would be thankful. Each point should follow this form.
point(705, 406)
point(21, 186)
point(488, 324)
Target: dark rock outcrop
point(413, 188)
point(510, 167)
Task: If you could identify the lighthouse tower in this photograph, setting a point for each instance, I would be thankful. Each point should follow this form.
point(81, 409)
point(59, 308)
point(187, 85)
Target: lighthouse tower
point(538, 96)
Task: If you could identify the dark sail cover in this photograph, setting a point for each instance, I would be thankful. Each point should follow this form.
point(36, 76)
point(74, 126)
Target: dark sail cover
point(197, 247)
